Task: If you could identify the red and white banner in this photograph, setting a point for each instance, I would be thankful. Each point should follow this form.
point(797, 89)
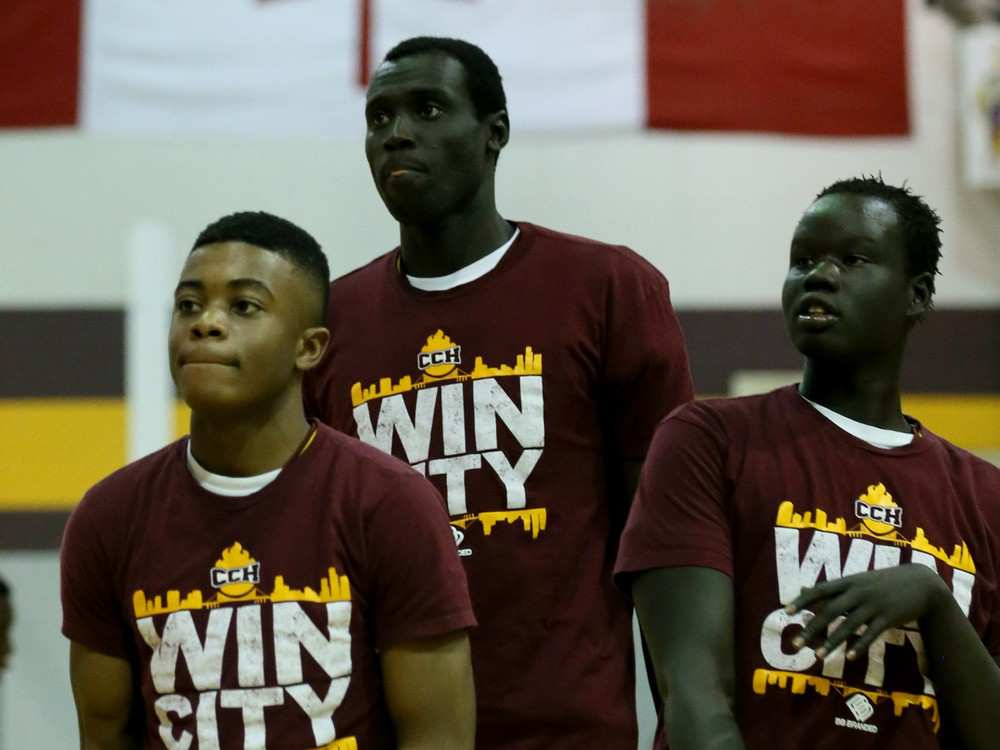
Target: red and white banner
point(298, 67)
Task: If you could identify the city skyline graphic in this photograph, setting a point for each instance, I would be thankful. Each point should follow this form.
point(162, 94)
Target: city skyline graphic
point(527, 362)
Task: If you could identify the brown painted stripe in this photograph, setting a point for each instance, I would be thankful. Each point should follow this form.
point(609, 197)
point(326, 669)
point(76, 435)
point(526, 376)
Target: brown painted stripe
point(62, 353)
point(953, 351)
point(32, 530)
point(79, 352)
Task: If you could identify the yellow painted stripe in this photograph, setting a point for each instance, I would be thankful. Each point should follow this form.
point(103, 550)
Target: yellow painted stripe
point(52, 450)
point(971, 421)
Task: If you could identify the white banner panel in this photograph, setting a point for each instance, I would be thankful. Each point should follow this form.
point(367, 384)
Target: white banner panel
point(278, 68)
point(979, 89)
point(566, 64)
point(226, 67)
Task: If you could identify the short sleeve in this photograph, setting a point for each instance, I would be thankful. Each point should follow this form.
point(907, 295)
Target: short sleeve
point(646, 371)
point(680, 516)
point(92, 613)
point(418, 582)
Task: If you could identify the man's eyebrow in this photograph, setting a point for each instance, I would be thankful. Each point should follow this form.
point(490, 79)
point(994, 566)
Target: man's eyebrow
point(424, 92)
point(256, 284)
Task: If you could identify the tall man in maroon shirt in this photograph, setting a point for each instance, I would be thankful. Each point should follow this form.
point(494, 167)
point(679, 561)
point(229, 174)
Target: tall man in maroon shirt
point(522, 370)
point(811, 567)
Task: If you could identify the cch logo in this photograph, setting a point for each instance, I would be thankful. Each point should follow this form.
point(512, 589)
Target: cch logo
point(440, 356)
point(236, 573)
point(878, 512)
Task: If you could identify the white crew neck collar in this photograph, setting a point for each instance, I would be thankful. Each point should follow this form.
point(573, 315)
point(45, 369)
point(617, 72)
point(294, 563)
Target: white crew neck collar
point(475, 270)
point(220, 484)
point(878, 437)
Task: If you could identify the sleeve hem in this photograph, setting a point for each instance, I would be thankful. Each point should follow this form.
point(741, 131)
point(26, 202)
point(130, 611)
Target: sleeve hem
point(450, 623)
point(93, 643)
point(630, 567)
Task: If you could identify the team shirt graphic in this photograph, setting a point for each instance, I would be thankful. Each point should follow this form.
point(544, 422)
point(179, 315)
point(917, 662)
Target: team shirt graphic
point(237, 602)
point(442, 387)
point(875, 542)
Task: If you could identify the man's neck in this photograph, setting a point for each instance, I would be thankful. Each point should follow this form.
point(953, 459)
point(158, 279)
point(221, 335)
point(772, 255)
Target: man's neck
point(246, 444)
point(867, 393)
point(452, 244)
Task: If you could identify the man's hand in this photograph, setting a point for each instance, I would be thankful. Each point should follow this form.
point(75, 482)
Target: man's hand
point(870, 603)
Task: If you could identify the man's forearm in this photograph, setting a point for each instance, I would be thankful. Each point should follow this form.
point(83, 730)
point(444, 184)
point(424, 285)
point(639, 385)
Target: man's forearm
point(700, 719)
point(966, 677)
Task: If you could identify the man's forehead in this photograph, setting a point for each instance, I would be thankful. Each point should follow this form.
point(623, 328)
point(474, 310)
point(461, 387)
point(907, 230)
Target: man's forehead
point(868, 215)
point(238, 259)
point(430, 69)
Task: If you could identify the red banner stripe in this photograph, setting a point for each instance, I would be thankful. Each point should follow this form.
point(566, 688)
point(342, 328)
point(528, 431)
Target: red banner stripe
point(811, 67)
point(39, 62)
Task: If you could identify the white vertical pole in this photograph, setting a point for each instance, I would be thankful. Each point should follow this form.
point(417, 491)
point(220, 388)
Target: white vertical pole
point(149, 394)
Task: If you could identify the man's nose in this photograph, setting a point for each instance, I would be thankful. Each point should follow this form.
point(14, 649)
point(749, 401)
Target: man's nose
point(400, 133)
point(211, 323)
point(826, 272)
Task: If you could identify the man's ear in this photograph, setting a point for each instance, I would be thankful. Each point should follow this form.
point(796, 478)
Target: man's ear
point(921, 295)
point(499, 131)
point(311, 347)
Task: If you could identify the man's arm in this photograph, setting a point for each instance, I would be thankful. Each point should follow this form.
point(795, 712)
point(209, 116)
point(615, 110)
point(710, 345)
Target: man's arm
point(102, 690)
point(687, 618)
point(966, 677)
point(430, 692)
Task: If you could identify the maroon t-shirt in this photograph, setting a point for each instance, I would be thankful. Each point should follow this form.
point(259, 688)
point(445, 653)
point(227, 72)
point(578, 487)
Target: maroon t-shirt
point(770, 492)
point(254, 621)
point(516, 393)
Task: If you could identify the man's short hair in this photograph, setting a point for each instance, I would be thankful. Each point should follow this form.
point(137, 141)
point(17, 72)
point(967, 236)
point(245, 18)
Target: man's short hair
point(481, 75)
point(270, 232)
point(919, 222)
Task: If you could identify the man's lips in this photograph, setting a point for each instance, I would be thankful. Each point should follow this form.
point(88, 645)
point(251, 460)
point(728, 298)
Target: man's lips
point(815, 308)
point(207, 361)
point(396, 169)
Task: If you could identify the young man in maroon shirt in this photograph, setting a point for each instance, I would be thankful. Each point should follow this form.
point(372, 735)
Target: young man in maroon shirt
point(265, 582)
point(811, 567)
point(523, 371)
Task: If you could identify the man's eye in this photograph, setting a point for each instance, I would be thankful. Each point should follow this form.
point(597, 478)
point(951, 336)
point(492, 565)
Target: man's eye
point(802, 261)
point(429, 110)
point(855, 260)
point(378, 119)
point(186, 306)
point(246, 307)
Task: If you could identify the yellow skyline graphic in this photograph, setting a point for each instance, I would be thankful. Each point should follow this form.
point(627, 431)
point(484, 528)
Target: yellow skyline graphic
point(333, 588)
point(533, 520)
point(346, 743)
point(798, 682)
point(526, 363)
point(960, 557)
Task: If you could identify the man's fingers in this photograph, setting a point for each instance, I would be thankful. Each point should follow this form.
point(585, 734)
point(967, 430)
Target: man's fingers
point(814, 630)
point(852, 625)
point(815, 594)
point(875, 628)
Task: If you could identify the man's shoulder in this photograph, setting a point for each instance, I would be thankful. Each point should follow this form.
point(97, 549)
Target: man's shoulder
point(118, 494)
point(733, 412)
point(586, 253)
point(362, 461)
point(362, 278)
point(963, 463)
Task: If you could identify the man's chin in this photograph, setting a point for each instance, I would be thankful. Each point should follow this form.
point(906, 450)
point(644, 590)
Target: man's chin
point(217, 402)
